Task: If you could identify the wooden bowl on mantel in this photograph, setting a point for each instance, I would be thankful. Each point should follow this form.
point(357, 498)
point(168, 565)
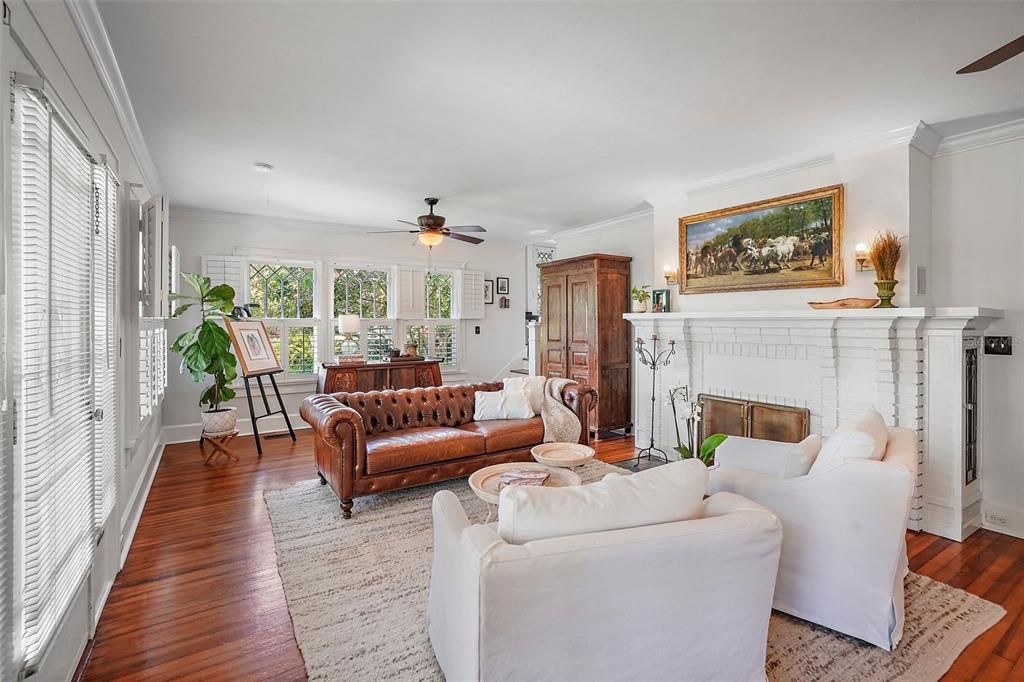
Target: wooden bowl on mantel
point(844, 304)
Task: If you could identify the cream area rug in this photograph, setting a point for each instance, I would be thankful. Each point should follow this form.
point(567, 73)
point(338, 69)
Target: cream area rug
point(357, 593)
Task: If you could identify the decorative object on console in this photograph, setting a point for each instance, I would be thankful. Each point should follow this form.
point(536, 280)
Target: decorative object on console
point(206, 349)
point(349, 327)
point(689, 450)
point(781, 243)
point(885, 254)
point(655, 360)
point(258, 360)
point(488, 292)
point(661, 301)
point(410, 351)
point(640, 295)
point(502, 286)
point(844, 303)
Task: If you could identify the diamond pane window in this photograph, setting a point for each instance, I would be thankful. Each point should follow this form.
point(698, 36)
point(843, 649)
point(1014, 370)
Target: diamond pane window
point(281, 291)
point(438, 295)
point(361, 292)
point(301, 350)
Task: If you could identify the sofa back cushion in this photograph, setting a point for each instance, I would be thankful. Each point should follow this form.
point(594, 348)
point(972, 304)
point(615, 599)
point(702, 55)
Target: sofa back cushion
point(861, 437)
point(673, 492)
point(408, 408)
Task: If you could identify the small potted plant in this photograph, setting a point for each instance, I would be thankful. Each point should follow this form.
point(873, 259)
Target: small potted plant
point(885, 254)
point(640, 295)
point(706, 452)
point(206, 349)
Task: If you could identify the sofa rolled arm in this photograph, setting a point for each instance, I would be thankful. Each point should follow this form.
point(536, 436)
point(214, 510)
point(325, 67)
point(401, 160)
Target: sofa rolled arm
point(581, 399)
point(333, 421)
point(341, 434)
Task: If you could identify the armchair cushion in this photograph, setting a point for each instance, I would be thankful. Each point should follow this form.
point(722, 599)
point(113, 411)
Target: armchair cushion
point(862, 437)
point(673, 492)
point(781, 460)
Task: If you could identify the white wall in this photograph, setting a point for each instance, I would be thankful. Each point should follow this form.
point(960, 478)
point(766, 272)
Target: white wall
point(197, 233)
point(876, 196)
point(978, 254)
point(633, 236)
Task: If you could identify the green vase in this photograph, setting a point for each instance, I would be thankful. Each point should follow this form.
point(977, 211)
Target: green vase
point(886, 290)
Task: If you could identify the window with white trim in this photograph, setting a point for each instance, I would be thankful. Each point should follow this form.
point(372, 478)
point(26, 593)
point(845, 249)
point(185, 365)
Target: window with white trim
point(437, 334)
point(284, 296)
point(363, 292)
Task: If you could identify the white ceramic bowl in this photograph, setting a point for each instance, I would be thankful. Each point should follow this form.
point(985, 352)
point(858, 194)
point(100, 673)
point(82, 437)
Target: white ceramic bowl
point(562, 454)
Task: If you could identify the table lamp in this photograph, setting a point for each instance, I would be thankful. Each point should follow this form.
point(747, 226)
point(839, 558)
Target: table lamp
point(349, 327)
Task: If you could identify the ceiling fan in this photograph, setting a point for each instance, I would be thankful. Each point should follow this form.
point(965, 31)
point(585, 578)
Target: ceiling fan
point(432, 230)
point(996, 57)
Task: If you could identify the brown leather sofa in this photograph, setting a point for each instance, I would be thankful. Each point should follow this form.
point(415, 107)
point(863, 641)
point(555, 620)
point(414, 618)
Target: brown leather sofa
point(368, 443)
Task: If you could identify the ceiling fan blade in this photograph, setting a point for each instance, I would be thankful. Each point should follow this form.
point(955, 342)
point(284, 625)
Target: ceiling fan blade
point(409, 223)
point(395, 232)
point(465, 238)
point(996, 57)
point(466, 228)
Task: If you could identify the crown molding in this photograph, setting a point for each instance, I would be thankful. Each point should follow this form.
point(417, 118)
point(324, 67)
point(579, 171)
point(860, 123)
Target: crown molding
point(86, 16)
point(982, 137)
point(598, 226)
point(763, 171)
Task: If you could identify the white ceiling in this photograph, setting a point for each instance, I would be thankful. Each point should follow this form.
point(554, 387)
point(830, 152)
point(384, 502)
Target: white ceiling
point(528, 116)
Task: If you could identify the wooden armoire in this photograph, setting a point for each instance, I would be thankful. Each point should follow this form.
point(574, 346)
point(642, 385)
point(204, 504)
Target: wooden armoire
point(582, 333)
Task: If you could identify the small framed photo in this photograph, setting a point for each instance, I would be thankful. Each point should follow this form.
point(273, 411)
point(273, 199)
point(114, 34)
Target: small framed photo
point(502, 287)
point(661, 301)
point(489, 291)
point(503, 302)
point(252, 346)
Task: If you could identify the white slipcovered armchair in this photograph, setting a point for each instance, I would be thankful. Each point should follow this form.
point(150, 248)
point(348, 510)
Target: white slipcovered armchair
point(686, 600)
point(844, 554)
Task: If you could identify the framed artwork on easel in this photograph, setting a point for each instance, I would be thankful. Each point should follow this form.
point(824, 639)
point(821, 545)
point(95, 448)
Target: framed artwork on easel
point(252, 345)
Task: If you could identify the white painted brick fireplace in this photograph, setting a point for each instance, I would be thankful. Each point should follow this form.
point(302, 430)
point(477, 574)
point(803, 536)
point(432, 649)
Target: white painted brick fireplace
point(906, 363)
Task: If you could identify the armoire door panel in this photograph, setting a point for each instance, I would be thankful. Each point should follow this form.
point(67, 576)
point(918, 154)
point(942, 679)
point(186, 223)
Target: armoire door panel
point(581, 318)
point(580, 359)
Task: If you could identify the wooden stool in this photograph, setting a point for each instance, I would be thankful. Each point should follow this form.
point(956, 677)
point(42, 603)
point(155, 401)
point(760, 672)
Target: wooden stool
point(219, 441)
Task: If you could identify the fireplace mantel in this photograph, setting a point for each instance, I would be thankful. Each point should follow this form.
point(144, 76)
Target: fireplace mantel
point(901, 362)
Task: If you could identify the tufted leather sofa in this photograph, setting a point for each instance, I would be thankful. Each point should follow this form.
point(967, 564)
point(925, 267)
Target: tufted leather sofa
point(368, 443)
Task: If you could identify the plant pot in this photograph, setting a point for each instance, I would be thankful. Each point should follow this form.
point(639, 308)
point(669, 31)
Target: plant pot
point(223, 420)
point(886, 290)
point(639, 307)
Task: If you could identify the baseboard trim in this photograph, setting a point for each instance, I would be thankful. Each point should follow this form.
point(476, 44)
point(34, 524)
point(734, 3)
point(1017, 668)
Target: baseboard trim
point(1002, 519)
point(139, 497)
point(189, 433)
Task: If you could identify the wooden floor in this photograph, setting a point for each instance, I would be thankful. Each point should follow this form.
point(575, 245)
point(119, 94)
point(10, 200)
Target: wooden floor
point(200, 597)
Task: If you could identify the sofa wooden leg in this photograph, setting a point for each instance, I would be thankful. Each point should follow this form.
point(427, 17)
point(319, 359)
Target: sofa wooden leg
point(323, 481)
point(346, 507)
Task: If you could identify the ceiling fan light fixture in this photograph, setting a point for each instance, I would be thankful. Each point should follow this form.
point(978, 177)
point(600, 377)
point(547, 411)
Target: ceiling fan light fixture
point(430, 238)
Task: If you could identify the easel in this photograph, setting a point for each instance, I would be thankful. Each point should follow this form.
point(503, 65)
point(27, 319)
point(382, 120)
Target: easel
point(258, 376)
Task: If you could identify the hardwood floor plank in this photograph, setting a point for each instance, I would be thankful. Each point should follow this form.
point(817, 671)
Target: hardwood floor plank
point(200, 597)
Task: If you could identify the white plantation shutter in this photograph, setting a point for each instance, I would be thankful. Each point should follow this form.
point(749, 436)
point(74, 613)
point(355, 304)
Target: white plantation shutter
point(470, 301)
point(409, 293)
point(227, 270)
point(53, 241)
point(105, 348)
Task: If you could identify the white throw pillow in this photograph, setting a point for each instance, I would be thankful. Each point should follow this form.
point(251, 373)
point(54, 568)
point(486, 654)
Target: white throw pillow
point(862, 437)
point(672, 492)
point(507, 404)
point(533, 386)
point(801, 456)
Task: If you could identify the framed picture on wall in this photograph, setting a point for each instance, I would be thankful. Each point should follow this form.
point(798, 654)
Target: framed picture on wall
point(781, 243)
point(502, 287)
point(489, 291)
point(252, 347)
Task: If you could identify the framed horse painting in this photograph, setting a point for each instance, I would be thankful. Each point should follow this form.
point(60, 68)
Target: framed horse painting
point(780, 243)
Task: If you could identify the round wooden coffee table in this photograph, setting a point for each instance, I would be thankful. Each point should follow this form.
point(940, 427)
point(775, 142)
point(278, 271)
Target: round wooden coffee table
point(484, 482)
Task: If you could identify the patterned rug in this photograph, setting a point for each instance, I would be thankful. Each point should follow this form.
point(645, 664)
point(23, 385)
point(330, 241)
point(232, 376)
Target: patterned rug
point(357, 593)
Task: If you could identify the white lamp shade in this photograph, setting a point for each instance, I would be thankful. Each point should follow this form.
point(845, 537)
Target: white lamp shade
point(348, 324)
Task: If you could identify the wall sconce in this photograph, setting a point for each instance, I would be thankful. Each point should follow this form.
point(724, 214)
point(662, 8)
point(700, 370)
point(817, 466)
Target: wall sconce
point(860, 255)
point(671, 275)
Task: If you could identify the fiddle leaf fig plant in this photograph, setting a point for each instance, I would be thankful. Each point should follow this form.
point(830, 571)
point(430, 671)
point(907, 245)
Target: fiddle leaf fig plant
point(206, 348)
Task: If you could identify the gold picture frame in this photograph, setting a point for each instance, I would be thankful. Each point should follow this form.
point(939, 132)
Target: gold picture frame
point(779, 243)
point(255, 353)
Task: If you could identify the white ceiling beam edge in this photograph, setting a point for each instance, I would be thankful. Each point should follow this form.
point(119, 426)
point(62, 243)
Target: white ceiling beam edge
point(86, 16)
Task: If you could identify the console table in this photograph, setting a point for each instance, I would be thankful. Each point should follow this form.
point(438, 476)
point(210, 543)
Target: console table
point(377, 376)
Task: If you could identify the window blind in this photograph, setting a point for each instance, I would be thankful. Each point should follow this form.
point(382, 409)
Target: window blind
point(105, 342)
point(53, 240)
